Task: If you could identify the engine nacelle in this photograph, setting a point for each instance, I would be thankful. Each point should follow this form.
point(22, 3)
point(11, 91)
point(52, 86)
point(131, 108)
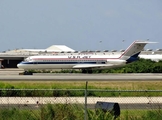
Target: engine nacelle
point(116, 61)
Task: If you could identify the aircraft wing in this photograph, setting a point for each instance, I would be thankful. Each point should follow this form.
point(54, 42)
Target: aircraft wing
point(80, 66)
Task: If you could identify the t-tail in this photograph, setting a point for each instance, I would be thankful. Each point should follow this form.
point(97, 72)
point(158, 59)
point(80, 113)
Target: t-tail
point(132, 52)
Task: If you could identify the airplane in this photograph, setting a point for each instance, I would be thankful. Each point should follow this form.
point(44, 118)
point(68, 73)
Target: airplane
point(85, 62)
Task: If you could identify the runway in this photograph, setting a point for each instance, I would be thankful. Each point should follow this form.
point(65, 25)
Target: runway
point(80, 77)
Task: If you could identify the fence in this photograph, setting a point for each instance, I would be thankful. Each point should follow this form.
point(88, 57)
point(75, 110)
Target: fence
point(78, 103)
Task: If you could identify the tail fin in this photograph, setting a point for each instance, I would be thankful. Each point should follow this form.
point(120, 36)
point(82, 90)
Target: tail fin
point(132, 52)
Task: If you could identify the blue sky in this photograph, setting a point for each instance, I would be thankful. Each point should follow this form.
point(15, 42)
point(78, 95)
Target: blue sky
point(79, 24)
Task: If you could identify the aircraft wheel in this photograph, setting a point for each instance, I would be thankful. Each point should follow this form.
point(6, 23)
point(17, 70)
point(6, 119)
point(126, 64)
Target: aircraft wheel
point(84, 71)
point(28, 73)
point(89, 71)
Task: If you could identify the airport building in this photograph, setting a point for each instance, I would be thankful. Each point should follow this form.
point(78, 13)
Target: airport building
point(10, 59)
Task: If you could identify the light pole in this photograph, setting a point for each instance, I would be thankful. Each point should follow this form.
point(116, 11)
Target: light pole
point(123, 44)
point(100, 44)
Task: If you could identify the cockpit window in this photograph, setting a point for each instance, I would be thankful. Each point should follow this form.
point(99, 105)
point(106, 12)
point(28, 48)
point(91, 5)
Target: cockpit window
point(27, 59)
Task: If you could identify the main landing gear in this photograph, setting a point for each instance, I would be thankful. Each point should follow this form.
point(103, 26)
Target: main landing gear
point(87, 71)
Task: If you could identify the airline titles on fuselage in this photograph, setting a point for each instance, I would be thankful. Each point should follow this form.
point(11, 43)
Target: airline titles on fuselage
point(79, 57)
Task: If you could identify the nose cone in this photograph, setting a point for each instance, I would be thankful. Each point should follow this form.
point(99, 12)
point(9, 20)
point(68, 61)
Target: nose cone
point(19, 65)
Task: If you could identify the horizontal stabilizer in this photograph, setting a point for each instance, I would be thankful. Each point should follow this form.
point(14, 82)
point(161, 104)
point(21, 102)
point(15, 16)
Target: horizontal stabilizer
point(147, 42)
